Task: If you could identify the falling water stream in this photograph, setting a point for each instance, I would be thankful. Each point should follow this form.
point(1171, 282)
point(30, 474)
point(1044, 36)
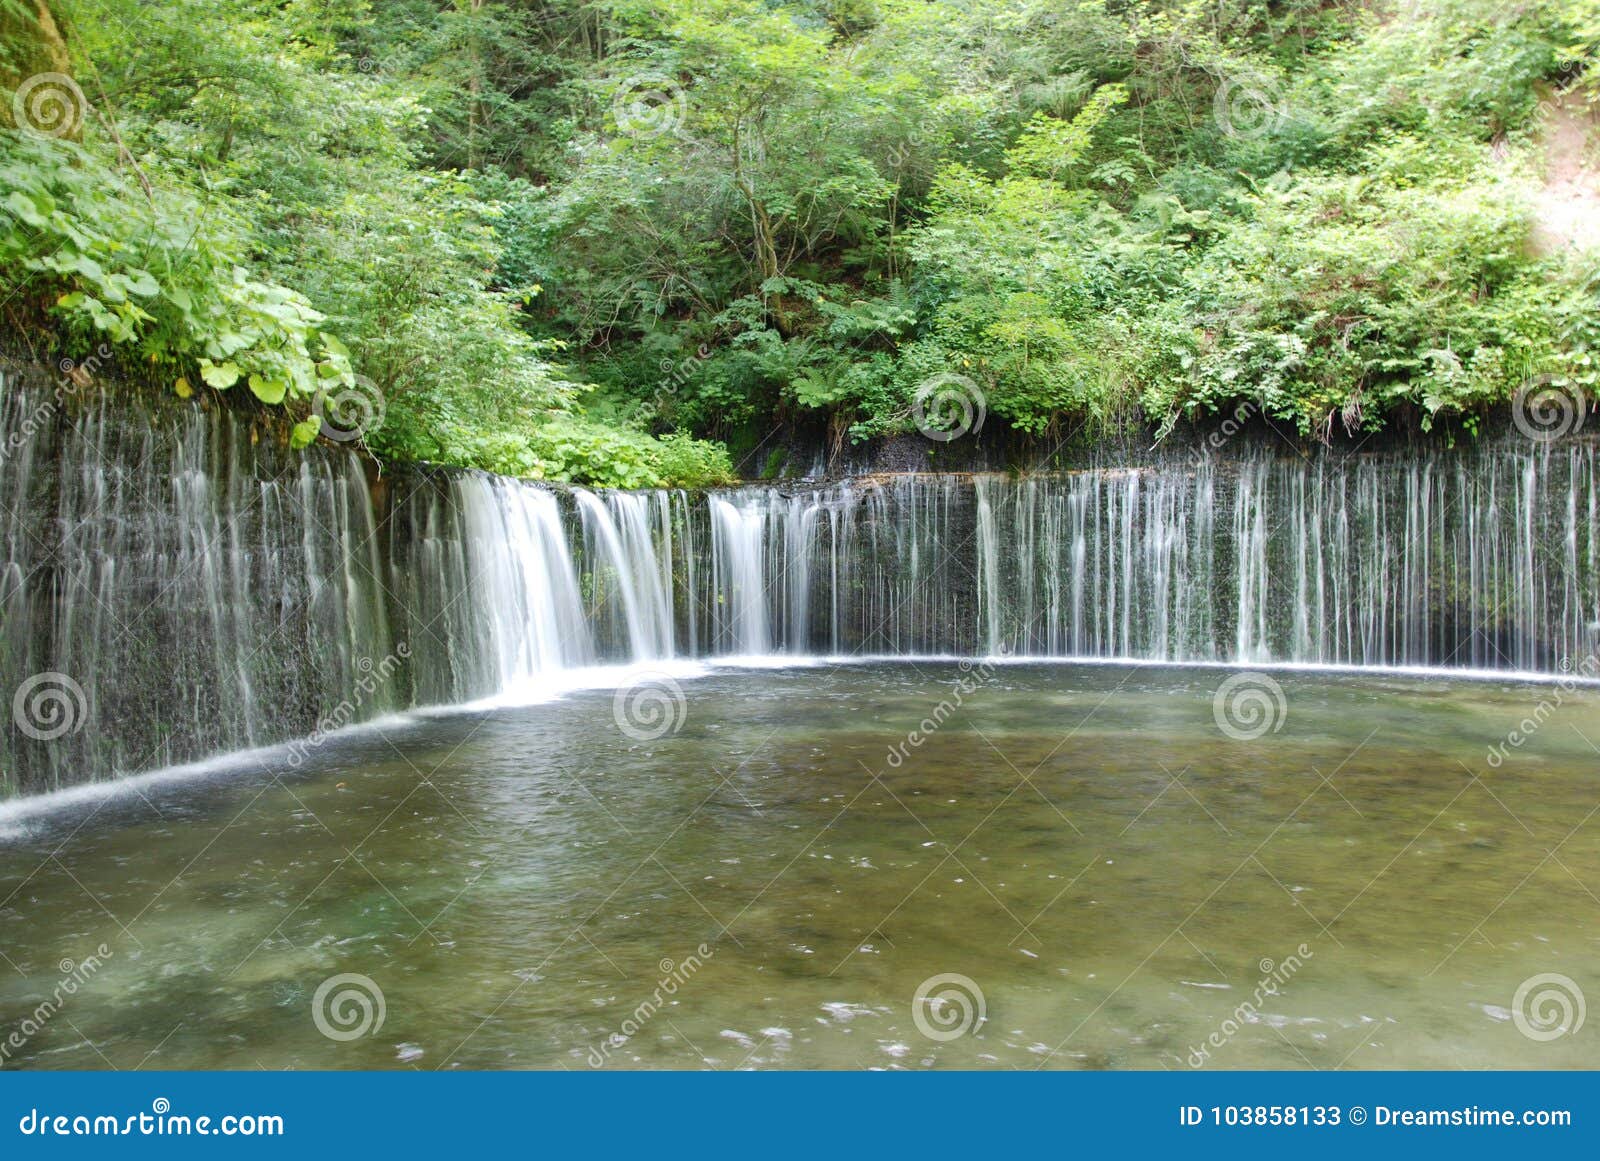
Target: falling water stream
point(196, 589)
point(936, 724)
point(1475, 563)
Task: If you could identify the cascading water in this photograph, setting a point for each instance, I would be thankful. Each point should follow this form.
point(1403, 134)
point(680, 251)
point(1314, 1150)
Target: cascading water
point(626, 576)
point(1482, 561)
point(738, 533)
point(199, 589)
point(488, 594)
point(175, 587)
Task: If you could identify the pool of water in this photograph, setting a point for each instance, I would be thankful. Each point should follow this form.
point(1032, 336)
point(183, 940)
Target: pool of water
point(1118, 873)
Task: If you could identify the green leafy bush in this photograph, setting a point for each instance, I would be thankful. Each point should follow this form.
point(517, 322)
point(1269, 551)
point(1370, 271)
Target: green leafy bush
point(156, 275)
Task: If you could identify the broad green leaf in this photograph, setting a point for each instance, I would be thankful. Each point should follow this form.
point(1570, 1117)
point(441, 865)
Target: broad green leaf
point(219, 375)
point(23, 207)
point(305, 432)
point(268, 390)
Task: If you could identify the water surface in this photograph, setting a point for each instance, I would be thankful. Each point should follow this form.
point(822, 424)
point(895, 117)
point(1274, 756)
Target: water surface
point(1086, 844)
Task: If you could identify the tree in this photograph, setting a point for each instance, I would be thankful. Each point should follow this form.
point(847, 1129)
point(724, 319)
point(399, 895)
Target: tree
point(31, 44)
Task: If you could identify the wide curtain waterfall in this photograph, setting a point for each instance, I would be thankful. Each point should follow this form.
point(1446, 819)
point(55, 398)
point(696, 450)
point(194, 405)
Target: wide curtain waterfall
point(176, 584)
point(173, 585)
point(1480, 561)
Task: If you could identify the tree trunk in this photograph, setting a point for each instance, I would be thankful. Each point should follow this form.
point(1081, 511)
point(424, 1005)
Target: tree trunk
point(475, 118)
point(31, 42)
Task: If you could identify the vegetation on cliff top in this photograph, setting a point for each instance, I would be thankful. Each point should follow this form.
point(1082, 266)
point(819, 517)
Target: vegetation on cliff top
point(592, 239)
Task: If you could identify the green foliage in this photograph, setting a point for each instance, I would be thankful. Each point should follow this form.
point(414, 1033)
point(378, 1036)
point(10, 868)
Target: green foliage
point(1347, 297)
point(684, 462)
point(580, 451)
point(156, 274)
point(1095, 214)
point(561, 238)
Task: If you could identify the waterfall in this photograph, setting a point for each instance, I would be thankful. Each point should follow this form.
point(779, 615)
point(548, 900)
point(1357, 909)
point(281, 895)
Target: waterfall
point(524, 581)
point(743, 624)
point(174, 587)
point(1474, 561)
point(176, 584)
point(625, 572)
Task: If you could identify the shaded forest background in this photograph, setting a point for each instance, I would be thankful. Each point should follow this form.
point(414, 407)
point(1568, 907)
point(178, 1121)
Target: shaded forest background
point(624, 241)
